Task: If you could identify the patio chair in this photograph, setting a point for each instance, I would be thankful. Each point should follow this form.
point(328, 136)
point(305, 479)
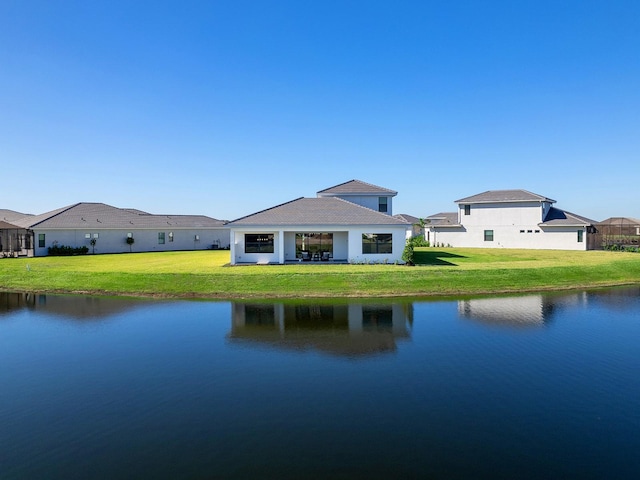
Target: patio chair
point(325, 256)
point(306, 257)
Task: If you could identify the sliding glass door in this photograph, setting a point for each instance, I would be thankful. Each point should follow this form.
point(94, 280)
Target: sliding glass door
point(314, 244)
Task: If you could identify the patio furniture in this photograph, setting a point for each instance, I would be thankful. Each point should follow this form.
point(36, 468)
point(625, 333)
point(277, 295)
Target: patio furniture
point(305, 256)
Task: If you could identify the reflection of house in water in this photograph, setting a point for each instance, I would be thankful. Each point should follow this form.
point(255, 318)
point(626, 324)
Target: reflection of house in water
point(527, 311)
point(346, 329)
point(76, 307)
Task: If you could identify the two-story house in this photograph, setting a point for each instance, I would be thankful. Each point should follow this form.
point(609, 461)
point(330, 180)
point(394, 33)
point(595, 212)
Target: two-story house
point(510, 219)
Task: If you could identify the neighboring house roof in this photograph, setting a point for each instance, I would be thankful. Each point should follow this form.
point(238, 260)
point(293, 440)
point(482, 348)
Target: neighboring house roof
point(620, 221)
point(317, 211)
point(407, 218)
point(356, 187)
point(100, 216)
point(11, 215)
point(8, 226)
point(443, 219)
point(505, 196)
point(556, 218)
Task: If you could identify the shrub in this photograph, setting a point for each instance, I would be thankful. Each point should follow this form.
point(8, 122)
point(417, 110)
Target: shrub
point(418, 241)
point(63, 250)
point(407, 253)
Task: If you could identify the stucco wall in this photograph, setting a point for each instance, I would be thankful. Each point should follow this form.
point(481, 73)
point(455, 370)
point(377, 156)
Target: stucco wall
point(114, 241)
point(565, 238)
point(369, 201)
point(522, 215)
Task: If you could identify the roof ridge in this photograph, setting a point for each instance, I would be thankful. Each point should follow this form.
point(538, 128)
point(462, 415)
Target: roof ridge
point(378, 187)
point(58, 211)
point(266, 209)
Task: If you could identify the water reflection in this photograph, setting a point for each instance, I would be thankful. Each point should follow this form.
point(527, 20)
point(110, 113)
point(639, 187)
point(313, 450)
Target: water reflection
point(70, 307)
point(530, 311)
point(349, 329)
point(167, 389)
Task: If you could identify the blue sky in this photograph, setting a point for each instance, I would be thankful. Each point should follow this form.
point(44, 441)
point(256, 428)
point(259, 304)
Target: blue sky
point(224, 108)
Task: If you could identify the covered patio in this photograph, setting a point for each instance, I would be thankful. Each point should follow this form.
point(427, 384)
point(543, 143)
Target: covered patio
point(15, 241)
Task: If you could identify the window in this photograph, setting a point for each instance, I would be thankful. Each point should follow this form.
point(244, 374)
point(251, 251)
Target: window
point(87, 235)
point(580, 236)
point(41, 240)
point(521, 231)
point(467, 209)
point(488, 235)
point(161, 238)
point(377, 243)
point(170, 236)
point(382, 204)
point(258, 243)
point(95, 235)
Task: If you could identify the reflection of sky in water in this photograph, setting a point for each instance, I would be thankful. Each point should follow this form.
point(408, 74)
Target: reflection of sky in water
point(126, 388)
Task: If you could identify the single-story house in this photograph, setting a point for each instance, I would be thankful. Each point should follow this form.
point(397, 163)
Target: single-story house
point(510, 219)
point(106, 229)
point(350, 222)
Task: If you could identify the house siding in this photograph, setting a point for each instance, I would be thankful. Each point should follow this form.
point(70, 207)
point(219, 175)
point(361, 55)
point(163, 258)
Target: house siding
point(114, 240)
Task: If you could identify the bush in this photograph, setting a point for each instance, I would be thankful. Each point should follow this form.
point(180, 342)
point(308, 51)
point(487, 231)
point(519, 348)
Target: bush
point(407, 253)
point(418, 241)
point(63, 250)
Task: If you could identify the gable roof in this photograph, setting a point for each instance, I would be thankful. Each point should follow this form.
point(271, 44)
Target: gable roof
point(356, 187)
point(317, 211)
point(505, 196)
point(556, 218)
point(101, 216)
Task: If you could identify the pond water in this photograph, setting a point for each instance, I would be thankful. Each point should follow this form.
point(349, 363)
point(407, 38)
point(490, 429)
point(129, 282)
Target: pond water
point(538, 386)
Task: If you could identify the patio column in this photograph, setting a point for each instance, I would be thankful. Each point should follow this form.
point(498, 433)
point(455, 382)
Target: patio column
point(281, 247)
point(232, 248)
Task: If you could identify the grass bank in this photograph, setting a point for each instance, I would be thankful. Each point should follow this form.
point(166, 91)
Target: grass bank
point(206, 274)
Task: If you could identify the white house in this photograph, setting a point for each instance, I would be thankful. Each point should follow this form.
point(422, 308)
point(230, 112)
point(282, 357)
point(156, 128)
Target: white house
point(510, 219)
point(106, 229)
point(351, 222)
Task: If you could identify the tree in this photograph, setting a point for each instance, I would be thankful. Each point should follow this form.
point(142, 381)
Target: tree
point(130, 241)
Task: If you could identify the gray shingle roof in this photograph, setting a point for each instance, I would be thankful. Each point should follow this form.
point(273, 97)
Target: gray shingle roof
point(556, 218)
point(100, 215)
point(317, 211)
point(620, 221)
point(8, 226)
point(356, 187)
point(505, 196)
point(407, 218)
point(11, 215)
point(443, 219)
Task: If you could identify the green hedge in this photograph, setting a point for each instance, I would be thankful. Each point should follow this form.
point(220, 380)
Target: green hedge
point(63, 250)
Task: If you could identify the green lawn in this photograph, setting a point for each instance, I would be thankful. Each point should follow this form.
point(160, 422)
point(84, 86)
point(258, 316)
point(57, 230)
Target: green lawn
point(206, 274)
